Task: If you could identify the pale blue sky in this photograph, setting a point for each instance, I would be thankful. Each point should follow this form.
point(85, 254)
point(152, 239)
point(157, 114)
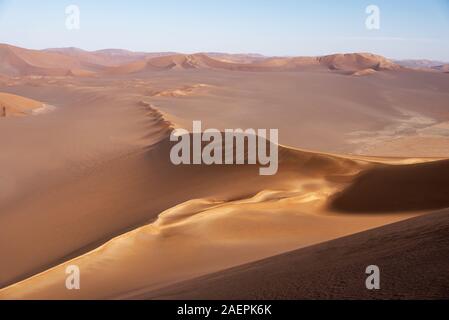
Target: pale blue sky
point(409, 28)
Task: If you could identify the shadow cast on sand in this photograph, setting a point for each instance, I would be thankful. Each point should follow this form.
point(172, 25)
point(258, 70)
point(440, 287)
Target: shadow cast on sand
point(413, 187)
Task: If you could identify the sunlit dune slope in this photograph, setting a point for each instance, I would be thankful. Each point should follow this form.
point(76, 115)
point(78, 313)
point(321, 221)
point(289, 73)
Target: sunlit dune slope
point(13, 105)
point(411, 255)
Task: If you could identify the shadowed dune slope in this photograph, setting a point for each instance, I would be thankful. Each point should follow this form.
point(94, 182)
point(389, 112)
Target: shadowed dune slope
point(412, 257)
point(421, 186)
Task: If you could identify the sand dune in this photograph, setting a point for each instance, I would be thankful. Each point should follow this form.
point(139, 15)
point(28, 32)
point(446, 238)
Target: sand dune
point(345, 63)
point(357, 62)
point(106, 57)
point(319, 110)
point(18, 62)
point(97, 187)
point(152, 184)
point(354, 62)
point(412, 256)
point(163, 63)
point(13, 105)
point(76, 62)
point(174, 62)
point(225, 225)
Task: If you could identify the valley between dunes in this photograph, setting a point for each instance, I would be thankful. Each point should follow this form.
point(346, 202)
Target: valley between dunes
point(91, 183)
